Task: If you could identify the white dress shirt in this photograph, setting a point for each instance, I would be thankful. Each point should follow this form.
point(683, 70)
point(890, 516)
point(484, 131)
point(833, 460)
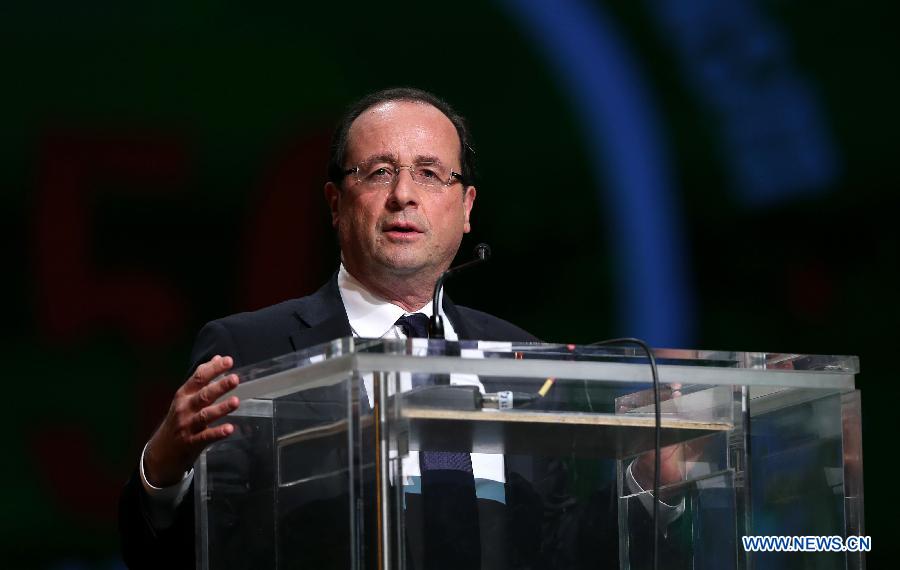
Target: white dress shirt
point(373, 317)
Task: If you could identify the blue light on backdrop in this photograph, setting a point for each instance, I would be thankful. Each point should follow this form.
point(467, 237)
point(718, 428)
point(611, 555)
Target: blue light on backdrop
point(776, 143)
point(624, 140)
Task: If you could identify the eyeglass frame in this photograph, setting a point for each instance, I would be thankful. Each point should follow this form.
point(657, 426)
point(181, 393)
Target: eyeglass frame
point(356, 170)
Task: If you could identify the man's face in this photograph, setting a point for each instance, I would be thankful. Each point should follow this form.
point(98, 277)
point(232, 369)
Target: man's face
point(404, 228)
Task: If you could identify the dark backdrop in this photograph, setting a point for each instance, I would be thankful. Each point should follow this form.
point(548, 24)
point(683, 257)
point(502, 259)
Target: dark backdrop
point(701, 173)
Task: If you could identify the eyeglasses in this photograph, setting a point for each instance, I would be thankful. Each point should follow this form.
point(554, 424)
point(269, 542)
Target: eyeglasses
point(380, 173)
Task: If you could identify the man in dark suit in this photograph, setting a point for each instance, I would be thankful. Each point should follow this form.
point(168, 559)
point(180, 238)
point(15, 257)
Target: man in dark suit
point(400, 192)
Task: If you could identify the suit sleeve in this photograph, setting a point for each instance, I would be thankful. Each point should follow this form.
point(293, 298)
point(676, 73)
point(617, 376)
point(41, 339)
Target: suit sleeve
point(144, 546)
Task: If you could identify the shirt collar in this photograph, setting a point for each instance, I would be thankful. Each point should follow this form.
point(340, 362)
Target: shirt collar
point(371, 316)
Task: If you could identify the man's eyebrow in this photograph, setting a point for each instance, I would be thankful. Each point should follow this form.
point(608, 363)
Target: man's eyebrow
point(395, 159)
point(381, 157)
point(428, 159)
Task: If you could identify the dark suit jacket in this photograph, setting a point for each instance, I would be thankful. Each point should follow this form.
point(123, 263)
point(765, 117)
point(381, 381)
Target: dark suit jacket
point(252, 337)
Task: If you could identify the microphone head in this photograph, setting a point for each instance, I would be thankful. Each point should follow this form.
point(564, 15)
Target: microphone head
point(483, 251)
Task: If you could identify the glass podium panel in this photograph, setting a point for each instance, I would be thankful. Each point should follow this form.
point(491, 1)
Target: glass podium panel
point(418, 454)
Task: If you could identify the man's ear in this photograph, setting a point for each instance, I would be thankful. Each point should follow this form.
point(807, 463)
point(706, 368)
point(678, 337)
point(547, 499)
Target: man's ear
point(333, 197)
point(468, 202)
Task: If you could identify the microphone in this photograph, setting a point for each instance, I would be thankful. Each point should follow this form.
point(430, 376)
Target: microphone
point(436, 324)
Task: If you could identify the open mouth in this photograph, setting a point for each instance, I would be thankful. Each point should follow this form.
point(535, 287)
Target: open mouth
point(402, 229)
point(402, 233)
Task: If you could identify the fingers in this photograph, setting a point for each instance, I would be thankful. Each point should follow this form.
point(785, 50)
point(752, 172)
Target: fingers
point(209, 370)
point(185, 431)
point(671, 452)
point(212, 413)
point(213, 434)
point(212, 392)
point(693, 450)
point(670, 391)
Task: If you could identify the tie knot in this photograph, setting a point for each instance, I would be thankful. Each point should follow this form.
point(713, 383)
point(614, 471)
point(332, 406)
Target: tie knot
point(414, 325)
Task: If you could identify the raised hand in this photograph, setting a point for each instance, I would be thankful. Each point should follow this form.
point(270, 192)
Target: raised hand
point(185, 431)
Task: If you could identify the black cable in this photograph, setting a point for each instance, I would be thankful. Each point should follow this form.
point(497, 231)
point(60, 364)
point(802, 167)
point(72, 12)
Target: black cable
point(657, 433)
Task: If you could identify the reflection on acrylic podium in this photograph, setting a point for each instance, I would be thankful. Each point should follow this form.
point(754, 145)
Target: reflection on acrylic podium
point(326, 468)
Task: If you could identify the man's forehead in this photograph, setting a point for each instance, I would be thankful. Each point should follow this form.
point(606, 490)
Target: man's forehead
point(396, 128)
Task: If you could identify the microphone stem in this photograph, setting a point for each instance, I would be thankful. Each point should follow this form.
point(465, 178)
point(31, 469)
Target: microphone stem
point(436, 324)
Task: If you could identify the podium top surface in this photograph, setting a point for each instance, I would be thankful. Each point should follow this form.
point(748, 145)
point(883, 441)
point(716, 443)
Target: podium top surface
point(331, 362)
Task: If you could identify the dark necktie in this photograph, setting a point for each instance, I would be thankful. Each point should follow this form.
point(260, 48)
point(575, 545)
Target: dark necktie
point(452, 538)
point(414, 325)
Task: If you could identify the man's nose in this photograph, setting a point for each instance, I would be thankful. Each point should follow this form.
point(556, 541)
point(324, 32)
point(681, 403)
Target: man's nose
point(404, 192)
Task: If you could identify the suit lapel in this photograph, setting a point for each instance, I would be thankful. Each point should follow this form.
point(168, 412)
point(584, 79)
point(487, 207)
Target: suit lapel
point(464, 329)
point(321, 316)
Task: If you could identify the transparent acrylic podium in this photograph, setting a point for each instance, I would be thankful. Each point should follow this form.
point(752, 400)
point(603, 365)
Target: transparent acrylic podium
point(332, 464)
